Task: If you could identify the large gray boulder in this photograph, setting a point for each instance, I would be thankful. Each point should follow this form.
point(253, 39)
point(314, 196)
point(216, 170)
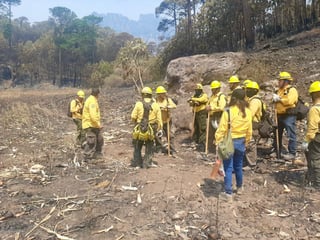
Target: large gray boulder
point(182, 73)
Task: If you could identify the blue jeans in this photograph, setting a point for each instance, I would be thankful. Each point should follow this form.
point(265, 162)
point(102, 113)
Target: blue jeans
point(288, 122)
point(234, 163)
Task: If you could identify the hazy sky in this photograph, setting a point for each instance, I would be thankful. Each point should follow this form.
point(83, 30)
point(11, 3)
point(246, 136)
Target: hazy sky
point(38, 10)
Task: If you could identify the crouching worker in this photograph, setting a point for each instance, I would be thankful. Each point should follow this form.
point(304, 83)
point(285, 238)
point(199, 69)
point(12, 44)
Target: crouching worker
point(312, 139)
point(92, 127)
point(147, 116)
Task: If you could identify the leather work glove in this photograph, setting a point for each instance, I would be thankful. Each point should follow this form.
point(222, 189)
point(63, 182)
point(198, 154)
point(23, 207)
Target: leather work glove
point(276, 98)
point(304, 146)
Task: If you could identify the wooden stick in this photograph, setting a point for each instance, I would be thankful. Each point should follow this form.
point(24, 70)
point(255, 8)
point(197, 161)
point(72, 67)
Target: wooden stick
point(168, 128)
point(277, 131)
point(168, 136)
point(56, 234)
point(193, 122)
point(207, 132)
point(46, 218)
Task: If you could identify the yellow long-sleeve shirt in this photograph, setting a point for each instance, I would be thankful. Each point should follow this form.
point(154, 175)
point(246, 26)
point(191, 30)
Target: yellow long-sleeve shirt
point(200, 102)
point(166, 105)
point(91, 113)
point(313, 125)
point(240, 127)
point(217, 103)
point(154, 113)
point(255, 106)
point(76, 109)
point(289, 98)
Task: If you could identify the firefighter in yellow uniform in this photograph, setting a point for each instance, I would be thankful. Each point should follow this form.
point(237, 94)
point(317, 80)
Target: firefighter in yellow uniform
point(312, 139)
point(92, 126)
point(166, 104)
point(198, 103)
point(285, 100)
point(241, 132)
point(234, 83)
point(76, 108)
point(217, 102)
point(146, 114)
point(255, 105)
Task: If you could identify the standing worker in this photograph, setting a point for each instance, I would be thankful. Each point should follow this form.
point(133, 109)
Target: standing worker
point(166, 104)
point(234, 83)
point(215, 106)
point(312, 139)
point(285, 101)
point(198, 103)
point(241, 132)
point(146, 114)
point(76, 108)
point(256, 107)
point(92, 126)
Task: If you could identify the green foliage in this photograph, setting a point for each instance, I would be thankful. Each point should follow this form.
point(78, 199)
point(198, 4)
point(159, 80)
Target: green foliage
point(109, 44)
point(133, 61)
point(100, 72)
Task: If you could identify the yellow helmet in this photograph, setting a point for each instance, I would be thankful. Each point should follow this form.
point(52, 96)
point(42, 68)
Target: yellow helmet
point(234, 79)
point(253, 84)
point(81, 94)
point(199, 86)
point(215, 84)
point(285, 76)
point(246, 82)
point(314, 87)
point(161, 89)
point(146, 90)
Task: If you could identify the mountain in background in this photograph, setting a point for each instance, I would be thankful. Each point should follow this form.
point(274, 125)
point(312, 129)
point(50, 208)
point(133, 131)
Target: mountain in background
point(145, 27)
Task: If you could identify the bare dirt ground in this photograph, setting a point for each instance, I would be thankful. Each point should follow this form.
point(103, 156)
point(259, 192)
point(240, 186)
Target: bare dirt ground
point(47, 192)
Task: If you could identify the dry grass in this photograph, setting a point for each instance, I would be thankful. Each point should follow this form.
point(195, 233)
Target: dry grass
point(17, 93)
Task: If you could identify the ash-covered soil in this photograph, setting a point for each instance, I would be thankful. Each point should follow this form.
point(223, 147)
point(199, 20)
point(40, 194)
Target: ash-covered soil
point(47, 192)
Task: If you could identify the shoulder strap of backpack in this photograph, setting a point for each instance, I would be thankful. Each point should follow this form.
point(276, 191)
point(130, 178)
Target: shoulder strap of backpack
point(263, 111)
point(228, 112)
point(219, 96)
point(146, 110)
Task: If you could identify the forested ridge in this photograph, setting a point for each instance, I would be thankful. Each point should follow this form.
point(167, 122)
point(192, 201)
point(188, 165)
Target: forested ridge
point(67, 50)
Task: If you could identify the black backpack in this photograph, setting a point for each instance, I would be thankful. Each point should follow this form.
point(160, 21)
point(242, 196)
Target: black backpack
point(265, 127)
point(143, 130)
point(144, 124)
point(300, 110)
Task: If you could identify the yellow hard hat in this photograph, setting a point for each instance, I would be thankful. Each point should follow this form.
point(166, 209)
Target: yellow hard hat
point(161, 89)
point(234, 79)
point(253, 84)
point(285, 76)
point(314, 87)
point(245, 82)
point(81, 94)
point(215, 84)
point(199, 86)
point(146, 90)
